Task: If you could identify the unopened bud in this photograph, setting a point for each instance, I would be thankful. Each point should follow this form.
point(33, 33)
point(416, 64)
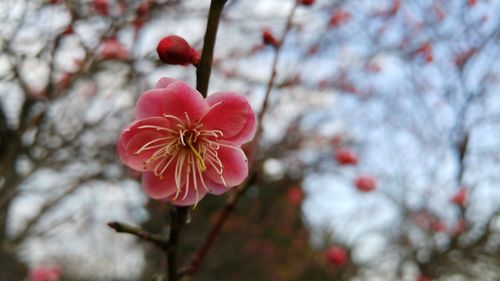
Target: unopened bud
point(175, 50)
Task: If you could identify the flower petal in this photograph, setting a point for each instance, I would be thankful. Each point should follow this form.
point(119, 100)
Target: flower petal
point(157, 188)
point(215, 188)
point(133, 138)
point(191, 198)
point(232, 115)
point(177, 99)
point(164, 82)
point(235, 166)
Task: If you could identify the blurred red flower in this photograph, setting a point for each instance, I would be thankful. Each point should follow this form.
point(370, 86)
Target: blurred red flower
point(338, 18)
point(346, 157)
point(295, 195)
point(365, 183)
point(45, 274)
point(337, 256)
point(269, 39)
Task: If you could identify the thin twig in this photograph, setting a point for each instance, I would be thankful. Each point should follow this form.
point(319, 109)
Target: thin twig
point(214, 231)
point(48, 206)
point(154, 238)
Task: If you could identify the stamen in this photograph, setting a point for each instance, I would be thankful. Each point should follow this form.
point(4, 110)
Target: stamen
point(157, 166)
point(201, 177)
point(211, 107)
point(235, 148)
point(177, 173)
point(149, 143)
point(173, 117)
point(181, 137)
point(157, 128)
point(166, 166)
point(187, 118)
point(198, 156)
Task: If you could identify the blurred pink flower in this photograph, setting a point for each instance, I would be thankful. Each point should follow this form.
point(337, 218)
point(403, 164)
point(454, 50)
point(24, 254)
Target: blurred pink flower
point(345, 157)
point(339, 17)
point(45, 274)
point(269, 39)
point(295, 195)
point(100, 7)
point(365, 183)
point(186, 145)
point(460, 197)
point(337, 256)
point(112, 49)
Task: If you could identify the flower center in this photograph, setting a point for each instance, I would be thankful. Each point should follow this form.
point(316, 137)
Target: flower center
point(189, 147)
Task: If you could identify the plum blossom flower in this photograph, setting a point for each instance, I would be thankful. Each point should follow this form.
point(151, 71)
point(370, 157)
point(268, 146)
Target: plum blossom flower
point(45, 274)
point(187, 146)
point(337, 255)
point(365, 183)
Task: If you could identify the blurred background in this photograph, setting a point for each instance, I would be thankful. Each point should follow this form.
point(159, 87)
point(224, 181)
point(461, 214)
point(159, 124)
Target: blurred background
point(380, 158)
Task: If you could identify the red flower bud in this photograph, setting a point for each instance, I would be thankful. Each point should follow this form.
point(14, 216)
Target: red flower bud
point(426, 51)
point(338, 18)
point(337, 256)
point(307, 2)
point(471, 2)
point(346, 157)
point(365, 183)
point(175, 50)
point(460, 198)
point(112, 49)
point(100, 7)
point(423, 278)
point(295, 195)
point(68, 30)
point(438, 226)
point(269, 39)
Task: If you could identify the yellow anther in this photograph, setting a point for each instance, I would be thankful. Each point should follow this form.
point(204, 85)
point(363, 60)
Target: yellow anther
point(198, 157)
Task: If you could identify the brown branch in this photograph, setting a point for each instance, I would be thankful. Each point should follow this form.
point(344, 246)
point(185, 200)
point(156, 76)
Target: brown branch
point(231, 202)
point(154, 238)
point(271, 81)
point(30, 224)
point(199, 256)
point(207, 54)
point(178, 216)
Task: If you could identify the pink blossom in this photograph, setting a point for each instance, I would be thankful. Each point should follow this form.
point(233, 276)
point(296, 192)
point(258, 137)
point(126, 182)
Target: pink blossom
point(336, 255)
point(187, 146)
point(100, 7)
point(113, 49)
point(460, 197)
point(345, 157)
point(365, 183)
point(295, 195)
point(45, 274)
point(338, 18)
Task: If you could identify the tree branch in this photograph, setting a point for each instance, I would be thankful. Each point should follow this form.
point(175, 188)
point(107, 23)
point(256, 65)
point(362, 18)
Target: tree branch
point(200, 254)
point(178, 217)
point(207, 54)
point(154, 238)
